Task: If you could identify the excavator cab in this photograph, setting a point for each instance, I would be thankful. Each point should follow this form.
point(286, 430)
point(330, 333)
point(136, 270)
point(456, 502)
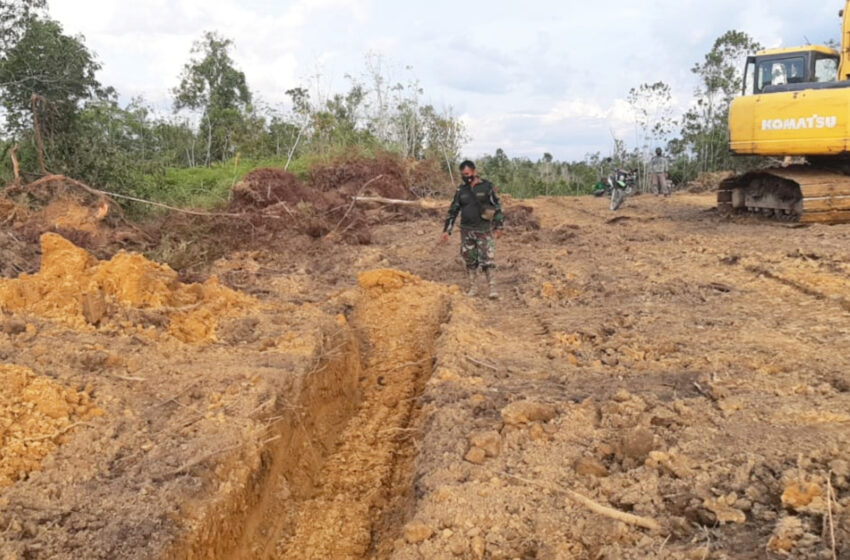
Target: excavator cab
point(795, 106)
point(785, 69)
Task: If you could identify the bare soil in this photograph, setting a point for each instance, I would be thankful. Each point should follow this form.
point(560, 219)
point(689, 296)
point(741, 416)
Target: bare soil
point(350, 401)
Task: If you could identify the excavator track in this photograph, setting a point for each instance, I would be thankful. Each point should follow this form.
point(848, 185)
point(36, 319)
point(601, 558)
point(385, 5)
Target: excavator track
point(796, 193)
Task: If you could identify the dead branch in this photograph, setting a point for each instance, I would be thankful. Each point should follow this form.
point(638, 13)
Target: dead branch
point(829, 498)
point(16, 168)
point(39, 139)
point(628, 518)
point(128, 378)
point(420, 203)
point(265, 442)
point(353, 202)
point(392, 201)
point(482, 364)
point(110, 195)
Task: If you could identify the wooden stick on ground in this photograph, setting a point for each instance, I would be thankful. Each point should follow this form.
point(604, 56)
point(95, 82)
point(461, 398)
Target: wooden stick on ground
point(421, 202)
point(482, 364)
point(628, 518)
point(392, 201)
point(829, 497)
point(98, 192)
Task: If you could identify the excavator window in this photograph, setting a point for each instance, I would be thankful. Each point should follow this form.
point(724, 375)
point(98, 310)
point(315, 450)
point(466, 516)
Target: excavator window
point(780, 72)
point(826, 69)
point(791, 71)
point(750, 77)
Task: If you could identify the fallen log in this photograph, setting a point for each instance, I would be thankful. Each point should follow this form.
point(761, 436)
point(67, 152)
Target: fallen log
point(419, 203)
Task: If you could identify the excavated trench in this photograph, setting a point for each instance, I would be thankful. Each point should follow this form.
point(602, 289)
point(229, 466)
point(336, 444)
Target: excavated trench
point(334, 479)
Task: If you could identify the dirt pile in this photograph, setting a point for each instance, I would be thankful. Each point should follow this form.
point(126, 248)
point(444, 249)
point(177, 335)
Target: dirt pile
point(16, 255)
point(384, 175)
point(127, 293)
point(36, 416)
point(520, 217)
point(266, 187)
point(323, 205)
point(186, 432)
point(274, 200)
point(62, 205)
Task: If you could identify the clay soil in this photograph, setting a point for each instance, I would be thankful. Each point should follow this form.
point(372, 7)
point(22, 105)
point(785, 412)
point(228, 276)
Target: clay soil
point(319, 399)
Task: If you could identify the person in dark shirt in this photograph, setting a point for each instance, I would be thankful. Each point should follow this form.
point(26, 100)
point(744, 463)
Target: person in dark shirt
point(481, 221)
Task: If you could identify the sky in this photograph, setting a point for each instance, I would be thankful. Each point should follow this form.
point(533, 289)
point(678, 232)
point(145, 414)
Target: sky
point(528, 77)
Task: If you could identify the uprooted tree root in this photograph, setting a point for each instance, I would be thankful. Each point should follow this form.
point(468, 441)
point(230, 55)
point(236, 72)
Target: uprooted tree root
point(58, 204)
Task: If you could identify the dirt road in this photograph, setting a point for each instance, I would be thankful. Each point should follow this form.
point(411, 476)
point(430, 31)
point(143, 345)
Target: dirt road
point(663, 361)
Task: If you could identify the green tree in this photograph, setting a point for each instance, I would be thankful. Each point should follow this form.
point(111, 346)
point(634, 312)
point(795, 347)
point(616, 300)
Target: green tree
point(704, 125)
point(444, 135)
point(46, 77)
point(15, 17)
point(59, 70)
point(211, 85)
point(653, 109)
point(338, 123)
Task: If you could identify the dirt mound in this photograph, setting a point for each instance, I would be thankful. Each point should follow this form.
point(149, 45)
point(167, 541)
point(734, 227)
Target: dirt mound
point(266, 187)
point(428, 178)
point(270, 205)
point(36, 415)
point(708, 181)
point(521, 217)
point(76, 289)
point(273, 200)
point(383, 175)
point(16, 254)
point(59, 204)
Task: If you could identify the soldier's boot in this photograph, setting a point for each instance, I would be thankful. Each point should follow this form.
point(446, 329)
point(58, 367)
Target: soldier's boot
point(491, 283)
point(472, 276)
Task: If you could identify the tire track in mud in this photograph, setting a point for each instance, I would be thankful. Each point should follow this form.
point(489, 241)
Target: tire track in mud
point(363, 488)
point(801, 287)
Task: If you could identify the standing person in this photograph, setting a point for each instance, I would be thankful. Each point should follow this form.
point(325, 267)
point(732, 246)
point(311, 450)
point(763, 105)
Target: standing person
point(659, 166)
point(480, 221)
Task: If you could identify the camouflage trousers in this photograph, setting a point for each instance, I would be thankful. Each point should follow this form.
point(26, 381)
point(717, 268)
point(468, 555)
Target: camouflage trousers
point(477, 248)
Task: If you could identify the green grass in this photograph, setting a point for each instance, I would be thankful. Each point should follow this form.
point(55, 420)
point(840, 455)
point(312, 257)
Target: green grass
point(208, 188)
point(205, 188)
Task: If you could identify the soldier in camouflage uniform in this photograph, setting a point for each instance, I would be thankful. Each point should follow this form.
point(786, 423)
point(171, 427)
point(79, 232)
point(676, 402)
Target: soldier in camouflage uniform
point(481, 220)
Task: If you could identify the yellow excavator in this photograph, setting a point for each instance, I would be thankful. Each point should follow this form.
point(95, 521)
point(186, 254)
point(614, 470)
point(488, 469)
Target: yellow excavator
point(795, 105)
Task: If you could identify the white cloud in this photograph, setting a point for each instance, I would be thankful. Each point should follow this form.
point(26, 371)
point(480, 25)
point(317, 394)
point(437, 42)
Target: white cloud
point(545, 75)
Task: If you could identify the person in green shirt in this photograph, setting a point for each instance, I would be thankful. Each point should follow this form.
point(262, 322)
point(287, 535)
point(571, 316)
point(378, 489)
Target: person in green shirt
point(481, 223)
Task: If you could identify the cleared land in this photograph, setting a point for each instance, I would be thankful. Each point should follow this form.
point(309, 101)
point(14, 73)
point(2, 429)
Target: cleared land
point(324, 399)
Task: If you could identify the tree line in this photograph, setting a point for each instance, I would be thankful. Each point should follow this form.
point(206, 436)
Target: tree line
point(58, 118)
point(695, 142)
